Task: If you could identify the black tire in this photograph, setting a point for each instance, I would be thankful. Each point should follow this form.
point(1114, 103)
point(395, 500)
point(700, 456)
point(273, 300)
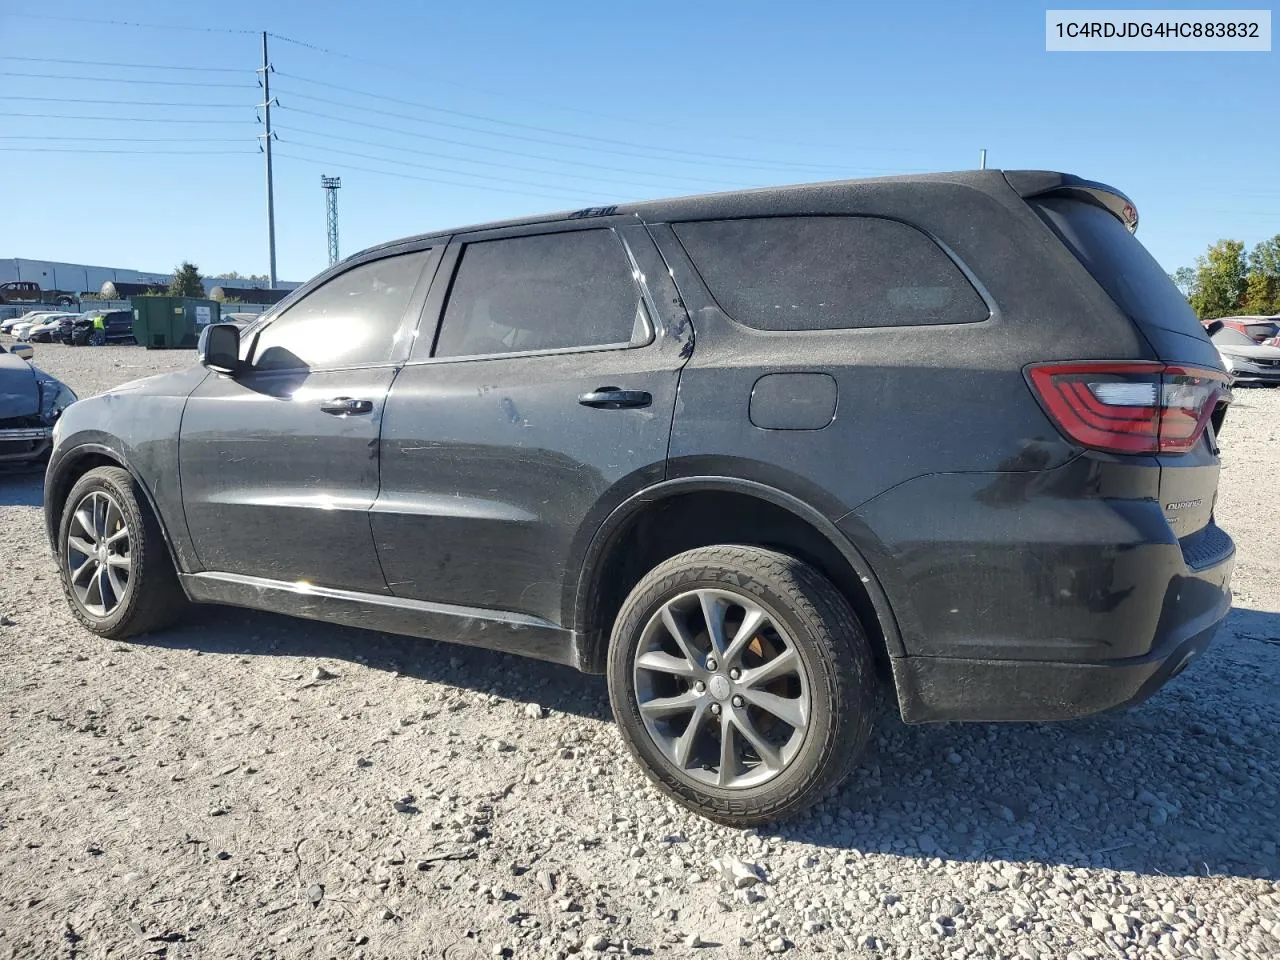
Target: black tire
point(830, 641)
point(153, 597)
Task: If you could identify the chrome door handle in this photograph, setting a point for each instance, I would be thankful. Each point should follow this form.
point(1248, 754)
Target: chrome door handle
point(346, 406)
point(614, 398)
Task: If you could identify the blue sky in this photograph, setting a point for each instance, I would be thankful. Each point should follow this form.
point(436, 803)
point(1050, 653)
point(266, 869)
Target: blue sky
point(564, 104)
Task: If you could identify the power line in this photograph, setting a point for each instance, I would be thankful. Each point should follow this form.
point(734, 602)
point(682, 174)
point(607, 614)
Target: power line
point(410, 176)
point(460, 143)
point(113, 119)
point(419, 166)
point(130, 23)
point(524, 126)
point(128, 103)
point(9, 136)
point(131, 66)
point(434, 79)
point(507, 166)
point(632, 152)
point(149, 83)
point(556, 106)
point(147, 153)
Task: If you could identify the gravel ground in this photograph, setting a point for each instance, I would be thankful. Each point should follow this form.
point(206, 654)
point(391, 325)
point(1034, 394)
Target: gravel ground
point(248, 785)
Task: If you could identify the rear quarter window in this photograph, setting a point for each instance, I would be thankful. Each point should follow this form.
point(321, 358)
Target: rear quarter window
point(829, 273)
point(1119, 263)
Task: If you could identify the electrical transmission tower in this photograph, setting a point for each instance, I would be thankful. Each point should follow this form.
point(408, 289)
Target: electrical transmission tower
point(331, 185)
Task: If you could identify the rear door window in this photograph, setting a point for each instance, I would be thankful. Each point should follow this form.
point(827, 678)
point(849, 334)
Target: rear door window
point(552, 291)
point(829, 273)
point(1120, 263)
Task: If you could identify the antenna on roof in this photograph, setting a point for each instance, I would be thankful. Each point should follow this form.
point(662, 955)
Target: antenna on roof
point(982, 159)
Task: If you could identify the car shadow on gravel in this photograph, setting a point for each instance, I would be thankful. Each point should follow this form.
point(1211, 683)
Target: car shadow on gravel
point(22, 488)
point(227, 630)
point(1187, 783)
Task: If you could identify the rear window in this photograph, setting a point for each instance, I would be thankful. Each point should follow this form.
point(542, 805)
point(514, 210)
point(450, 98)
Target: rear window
point(1232, 338)
point(1263, 331)
point(1120, 263)
point(828, 273)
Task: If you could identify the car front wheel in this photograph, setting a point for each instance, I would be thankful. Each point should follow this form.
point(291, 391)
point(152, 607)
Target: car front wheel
point(115, 566)
point(742, 682)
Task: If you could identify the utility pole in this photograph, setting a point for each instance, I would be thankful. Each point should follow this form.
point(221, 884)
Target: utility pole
point(331, 185)
point(982, 159)
point(265, 70)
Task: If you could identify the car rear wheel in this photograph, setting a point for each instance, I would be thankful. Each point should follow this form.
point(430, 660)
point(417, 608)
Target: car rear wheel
point(742, 682)
point(115, 567)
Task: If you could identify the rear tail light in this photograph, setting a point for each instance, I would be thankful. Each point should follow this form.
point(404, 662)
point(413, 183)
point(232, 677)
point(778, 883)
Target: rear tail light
point(1130, 407)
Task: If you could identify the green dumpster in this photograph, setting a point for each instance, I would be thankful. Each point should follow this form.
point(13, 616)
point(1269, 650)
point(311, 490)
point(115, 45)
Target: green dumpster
point(166, 323)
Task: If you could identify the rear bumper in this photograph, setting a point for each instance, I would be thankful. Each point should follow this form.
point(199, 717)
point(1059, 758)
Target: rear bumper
point(936, 689)
point(1041, 595)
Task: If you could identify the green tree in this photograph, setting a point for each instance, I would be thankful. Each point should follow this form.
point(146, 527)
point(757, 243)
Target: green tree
point(1260, 293)
point(1184, 278)
point(1262, 286)
point(1220, 280)
point(186, 281)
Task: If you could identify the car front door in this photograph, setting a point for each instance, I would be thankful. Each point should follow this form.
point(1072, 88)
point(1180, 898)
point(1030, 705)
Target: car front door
point(279, 464)
point(547, 399)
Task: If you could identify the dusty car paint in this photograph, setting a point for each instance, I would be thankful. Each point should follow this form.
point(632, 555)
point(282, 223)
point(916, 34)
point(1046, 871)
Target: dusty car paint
point(1008, 572)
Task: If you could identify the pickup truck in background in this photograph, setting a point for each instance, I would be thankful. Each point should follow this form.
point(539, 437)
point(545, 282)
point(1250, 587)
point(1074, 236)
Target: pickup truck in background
point(28, 291)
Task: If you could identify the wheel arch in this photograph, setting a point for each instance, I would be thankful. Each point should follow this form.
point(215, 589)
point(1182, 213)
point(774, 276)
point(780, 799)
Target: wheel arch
point(702, 511)
point(73, 465)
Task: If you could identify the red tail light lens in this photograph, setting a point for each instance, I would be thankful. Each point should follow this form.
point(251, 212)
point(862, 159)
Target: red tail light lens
point(1132, 407)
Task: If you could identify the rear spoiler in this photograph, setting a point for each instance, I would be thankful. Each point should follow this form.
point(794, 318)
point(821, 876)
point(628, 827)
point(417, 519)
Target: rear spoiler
point(1040, 183)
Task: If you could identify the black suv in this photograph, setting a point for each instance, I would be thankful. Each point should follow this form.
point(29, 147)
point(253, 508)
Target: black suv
point(117, 324)
point(755, 456)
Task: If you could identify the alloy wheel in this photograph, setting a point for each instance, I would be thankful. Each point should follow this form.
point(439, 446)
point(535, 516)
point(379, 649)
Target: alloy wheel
point(722, 689)
point(98, 555)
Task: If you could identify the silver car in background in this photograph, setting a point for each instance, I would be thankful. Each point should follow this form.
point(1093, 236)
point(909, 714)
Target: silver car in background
point(1247, 360)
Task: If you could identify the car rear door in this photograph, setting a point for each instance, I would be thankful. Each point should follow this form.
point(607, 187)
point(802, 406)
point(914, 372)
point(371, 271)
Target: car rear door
point(547, 398)
point(279, 464)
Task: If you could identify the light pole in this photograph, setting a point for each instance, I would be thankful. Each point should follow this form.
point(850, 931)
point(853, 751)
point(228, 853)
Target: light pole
point(331, 185)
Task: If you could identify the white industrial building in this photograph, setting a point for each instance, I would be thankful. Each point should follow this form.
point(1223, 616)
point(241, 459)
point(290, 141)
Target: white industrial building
point(84, 278)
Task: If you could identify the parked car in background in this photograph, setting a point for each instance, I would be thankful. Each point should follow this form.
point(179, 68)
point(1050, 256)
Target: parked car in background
point(56, 327)
point(28, 291)
point(880, 464)
point(21, 331)
point(1251, 362)
point(31, 316)
point(31, 401)
point(118, 326)
point(1258, 329)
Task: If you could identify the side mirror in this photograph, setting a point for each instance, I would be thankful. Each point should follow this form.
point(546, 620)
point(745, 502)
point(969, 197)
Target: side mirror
point(1213, 326)
point(23, 350)
point(219, 348)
